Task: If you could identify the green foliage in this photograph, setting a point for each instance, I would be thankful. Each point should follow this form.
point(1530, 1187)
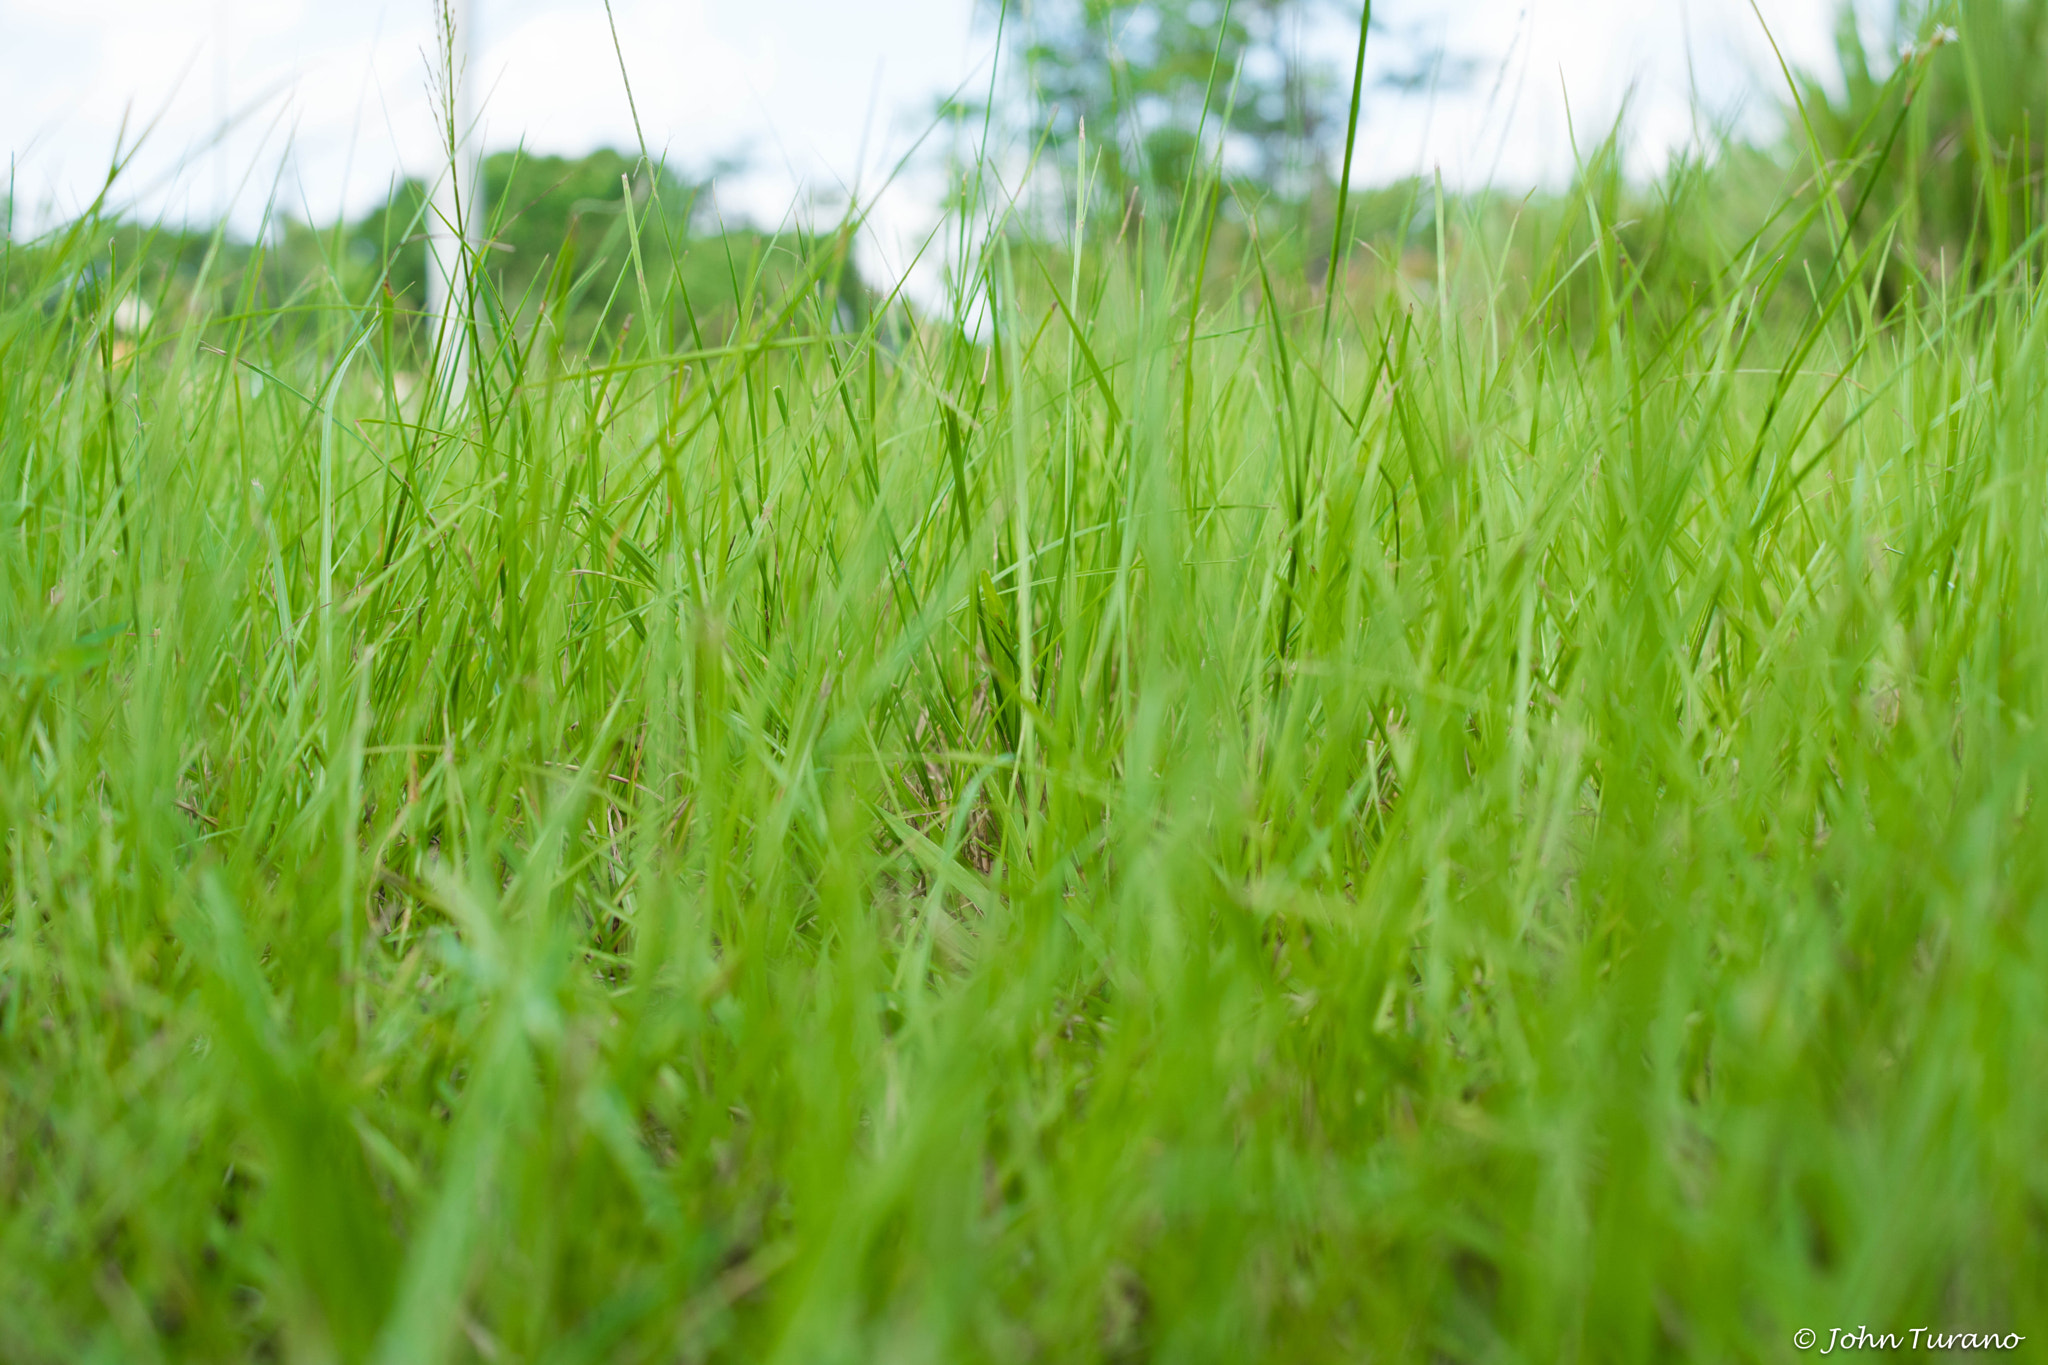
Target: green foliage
point(1163, 84)
point(559, 242)
point(1492, 822)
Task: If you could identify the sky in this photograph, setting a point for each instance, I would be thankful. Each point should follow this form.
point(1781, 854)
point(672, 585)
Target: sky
point(326, 101)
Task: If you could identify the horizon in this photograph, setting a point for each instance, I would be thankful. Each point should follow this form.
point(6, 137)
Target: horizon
point(326, 112)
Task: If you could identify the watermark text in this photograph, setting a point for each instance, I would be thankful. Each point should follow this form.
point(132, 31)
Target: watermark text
point(1861, 1338)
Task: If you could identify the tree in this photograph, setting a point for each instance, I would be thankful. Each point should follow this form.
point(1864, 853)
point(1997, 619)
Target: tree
point(556, 238)
point(1139, 73)
point(1160, 83)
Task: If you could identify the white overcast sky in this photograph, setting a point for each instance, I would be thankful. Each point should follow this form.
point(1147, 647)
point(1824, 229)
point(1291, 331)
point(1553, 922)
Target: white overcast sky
point(331, 98)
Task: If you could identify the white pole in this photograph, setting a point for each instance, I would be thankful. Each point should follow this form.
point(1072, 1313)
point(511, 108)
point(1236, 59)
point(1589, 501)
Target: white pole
point(452, 214)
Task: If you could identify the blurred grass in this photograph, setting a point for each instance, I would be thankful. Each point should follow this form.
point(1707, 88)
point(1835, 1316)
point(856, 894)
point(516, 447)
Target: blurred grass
point(1136, 832)
point(1942, 109)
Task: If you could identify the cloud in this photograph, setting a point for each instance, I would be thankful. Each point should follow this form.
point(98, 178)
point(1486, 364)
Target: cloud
point(1552, 73)
point(554, 79)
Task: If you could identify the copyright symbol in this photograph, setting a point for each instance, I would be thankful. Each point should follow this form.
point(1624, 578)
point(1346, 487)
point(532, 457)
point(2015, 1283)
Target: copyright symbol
point(1803, 1338)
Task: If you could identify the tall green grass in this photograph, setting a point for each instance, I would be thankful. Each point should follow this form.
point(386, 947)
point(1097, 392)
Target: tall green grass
point(1499, 826)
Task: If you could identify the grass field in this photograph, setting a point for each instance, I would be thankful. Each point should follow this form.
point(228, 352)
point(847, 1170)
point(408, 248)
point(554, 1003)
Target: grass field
point(1485, 816)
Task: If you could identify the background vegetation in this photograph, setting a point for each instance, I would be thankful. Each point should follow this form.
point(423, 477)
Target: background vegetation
point(1476, 804)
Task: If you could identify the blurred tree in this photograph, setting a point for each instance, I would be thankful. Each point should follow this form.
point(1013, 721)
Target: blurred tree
point(1140, 71)
point(556, 238)
point(541, 205)
point(550, 223)
point(1139, 74)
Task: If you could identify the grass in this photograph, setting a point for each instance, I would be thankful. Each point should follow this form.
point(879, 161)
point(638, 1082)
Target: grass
point(1499, 828)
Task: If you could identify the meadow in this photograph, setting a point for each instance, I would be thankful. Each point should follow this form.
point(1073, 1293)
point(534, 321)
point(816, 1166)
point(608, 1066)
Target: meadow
point(1238, 797)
